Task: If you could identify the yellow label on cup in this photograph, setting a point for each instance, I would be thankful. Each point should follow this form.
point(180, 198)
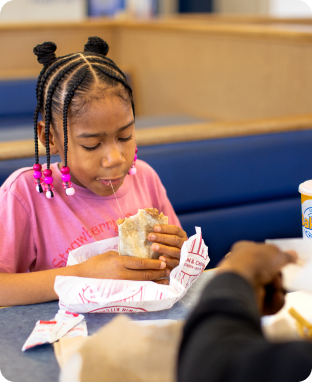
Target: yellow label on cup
point(306, 208)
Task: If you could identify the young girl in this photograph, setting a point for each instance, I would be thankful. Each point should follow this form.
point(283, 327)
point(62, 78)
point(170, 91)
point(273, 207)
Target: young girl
point(88, 119)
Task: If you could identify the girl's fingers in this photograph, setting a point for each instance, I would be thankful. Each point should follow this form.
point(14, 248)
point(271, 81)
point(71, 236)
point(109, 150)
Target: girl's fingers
point(171, 263)
point(139, 263)
point(172, 240)
point(170, 230)
point(145, 275)
point(168, 251)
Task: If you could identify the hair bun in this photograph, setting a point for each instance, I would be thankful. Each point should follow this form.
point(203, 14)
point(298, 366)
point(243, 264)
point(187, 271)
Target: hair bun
point(45, 53)
point(96, 45)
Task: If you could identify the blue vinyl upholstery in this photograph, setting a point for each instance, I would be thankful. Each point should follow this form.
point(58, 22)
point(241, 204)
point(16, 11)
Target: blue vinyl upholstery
point(17, 97)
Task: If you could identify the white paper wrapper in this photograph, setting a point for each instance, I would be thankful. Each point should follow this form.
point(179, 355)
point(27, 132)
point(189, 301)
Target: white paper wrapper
point(50, 331)
point(84, 295)
point(296, 277)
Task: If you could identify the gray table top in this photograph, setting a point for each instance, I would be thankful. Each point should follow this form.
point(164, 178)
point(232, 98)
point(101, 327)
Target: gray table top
point(39, 364)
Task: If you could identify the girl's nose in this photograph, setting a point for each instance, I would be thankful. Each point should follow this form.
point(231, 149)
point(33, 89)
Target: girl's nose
point(113, 157)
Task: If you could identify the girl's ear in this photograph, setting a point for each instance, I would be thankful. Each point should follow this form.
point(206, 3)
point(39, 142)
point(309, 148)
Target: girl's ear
point(52, 138)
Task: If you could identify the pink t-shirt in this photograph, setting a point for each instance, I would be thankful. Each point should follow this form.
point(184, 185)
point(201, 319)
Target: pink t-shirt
point(37, 233)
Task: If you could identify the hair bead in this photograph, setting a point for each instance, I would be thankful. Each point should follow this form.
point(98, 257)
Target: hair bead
point(66, 177)
point(37, 167)
point(70, 191)
point(133, 170)
point(48, 180)
point(38, 183)
point(65, 170)
point(47, 172)
point(37, 174)
point(67, 184)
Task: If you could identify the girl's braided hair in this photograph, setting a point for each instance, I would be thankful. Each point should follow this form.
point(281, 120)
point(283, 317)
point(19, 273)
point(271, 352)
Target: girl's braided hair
point(64, 83)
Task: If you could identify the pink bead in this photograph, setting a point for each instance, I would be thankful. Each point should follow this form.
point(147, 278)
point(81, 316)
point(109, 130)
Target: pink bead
point(65, 170)
point(47, 172)
point(66, 177)
point(37, 174)
point(48, 187)
point(136, 149)
point(67, 184)
point(48, 180)
point(135, 158)
point(37, 167)
point(132, 171)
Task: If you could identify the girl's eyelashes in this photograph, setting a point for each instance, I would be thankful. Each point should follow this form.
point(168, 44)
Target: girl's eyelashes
point(126, 139)
point(95, 147)
point(91, 148)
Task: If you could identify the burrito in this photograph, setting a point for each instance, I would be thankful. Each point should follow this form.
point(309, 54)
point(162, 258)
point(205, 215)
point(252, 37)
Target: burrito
point(133, 232)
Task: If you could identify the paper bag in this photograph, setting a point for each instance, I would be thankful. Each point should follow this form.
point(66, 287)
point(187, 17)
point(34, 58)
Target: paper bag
point(124, 351)
point(83, 295)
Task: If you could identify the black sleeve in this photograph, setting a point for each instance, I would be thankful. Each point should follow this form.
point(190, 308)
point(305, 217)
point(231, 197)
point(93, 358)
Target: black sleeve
point(223, 341)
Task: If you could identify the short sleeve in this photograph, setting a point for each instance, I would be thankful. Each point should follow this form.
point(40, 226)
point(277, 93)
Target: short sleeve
point(17, 250)
point(165, 204)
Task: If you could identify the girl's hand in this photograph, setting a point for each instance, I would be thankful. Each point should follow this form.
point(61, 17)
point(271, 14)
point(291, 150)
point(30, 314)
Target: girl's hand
point(112, 266)
point(168, 241)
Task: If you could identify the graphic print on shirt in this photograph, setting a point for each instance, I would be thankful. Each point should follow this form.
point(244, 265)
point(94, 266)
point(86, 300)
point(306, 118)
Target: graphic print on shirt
point(85, 237)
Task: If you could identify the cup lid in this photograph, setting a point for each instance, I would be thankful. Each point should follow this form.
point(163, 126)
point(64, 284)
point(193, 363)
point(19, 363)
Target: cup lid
point(306, 188)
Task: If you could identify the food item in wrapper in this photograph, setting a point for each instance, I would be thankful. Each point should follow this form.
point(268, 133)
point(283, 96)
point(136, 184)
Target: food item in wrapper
point(86, 295)
point(133, 233)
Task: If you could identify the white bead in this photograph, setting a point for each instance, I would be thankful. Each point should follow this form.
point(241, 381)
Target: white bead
point(70, 191)
point(37, 189)
point(49, 194)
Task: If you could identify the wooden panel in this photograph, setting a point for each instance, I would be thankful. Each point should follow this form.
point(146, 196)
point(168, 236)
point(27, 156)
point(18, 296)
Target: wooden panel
point(240, 19)
point(217, 76)
point(182, 133)
point(219, 70)
point(17, 43)
point(19, 149)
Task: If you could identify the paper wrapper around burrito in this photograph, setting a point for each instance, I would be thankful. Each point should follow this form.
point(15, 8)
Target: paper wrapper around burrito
point(133, 232)
point(79, 294)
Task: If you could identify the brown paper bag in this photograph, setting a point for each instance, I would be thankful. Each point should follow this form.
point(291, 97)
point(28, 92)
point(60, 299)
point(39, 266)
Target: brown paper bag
point(66, 347)
point(125, 351)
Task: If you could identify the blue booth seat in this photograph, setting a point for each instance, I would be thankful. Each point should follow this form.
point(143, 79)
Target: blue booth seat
point(243, 188)
point(17, 105)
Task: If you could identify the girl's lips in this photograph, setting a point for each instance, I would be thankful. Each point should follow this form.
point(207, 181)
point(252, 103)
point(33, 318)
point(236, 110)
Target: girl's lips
point(107, 182)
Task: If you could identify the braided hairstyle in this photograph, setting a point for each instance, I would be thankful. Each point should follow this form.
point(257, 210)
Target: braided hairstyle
point(63, 83)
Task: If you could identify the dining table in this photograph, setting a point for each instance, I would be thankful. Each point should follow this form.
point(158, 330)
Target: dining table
point(39, 363)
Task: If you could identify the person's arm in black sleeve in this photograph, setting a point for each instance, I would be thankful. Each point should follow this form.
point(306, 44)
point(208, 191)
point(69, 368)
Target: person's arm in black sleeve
point(223, 341)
